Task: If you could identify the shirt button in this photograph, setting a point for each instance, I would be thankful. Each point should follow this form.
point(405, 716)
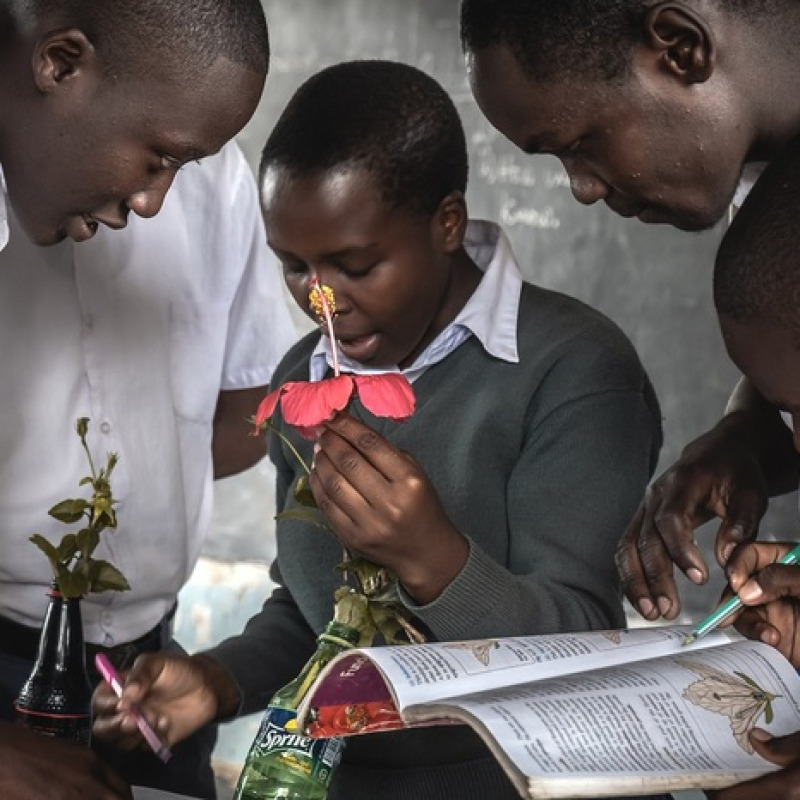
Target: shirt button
point(105, 427)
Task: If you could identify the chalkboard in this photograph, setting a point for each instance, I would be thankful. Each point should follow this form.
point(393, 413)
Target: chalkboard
point(654, 281)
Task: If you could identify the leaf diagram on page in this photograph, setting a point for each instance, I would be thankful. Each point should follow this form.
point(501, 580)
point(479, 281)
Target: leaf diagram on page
point(736, 696)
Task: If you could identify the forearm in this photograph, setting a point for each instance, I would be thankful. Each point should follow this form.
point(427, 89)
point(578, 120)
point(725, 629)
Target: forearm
point(573, 490)
point(267, 654)
point(756, 425)
point(233, 448)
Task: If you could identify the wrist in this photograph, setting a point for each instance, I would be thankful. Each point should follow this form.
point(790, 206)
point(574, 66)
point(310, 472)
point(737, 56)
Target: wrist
point(220, 684)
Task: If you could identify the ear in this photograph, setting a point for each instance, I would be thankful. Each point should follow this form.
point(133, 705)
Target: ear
point(450, 221)
point(683, 39)
point(60, 56)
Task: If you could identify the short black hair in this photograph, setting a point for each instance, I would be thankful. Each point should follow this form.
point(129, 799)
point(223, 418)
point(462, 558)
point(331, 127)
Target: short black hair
point(550, 37)
point(757, 268)
point(189, 33)
point(391, 119)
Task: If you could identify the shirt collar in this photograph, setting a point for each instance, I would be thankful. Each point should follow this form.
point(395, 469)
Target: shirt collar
point(3, 211)
point(751, 172)
point(490, 314)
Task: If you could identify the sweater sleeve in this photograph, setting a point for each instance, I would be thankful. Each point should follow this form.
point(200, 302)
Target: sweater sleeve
point(577, 481)
point(269, 652)
point(276, 642)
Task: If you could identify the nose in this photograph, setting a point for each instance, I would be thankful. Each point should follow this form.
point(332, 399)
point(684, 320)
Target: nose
point(148, 201)
point(586, 187)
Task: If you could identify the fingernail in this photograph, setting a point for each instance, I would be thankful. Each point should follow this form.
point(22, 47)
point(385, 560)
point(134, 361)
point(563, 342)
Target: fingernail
point(646, 608)
point(770, 636)
point(317, 448)
point(760, 734)
point(664, 605)
point(751, 592)
point(694, 575)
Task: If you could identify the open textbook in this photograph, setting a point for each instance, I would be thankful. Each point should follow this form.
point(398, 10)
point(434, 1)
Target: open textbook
point(599, 714)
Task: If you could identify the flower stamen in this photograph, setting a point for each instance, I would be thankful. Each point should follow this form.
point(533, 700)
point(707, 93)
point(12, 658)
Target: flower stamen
point(323, 304)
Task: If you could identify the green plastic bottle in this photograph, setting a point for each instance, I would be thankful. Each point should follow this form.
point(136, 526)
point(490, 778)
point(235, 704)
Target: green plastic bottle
point(283, 764)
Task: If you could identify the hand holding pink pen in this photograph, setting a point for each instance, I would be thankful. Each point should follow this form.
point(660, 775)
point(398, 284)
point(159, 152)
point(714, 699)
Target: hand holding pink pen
point(106, 669)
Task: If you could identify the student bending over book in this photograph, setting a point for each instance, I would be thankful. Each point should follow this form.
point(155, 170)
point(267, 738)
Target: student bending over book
point(756, 290)
point(499, 503)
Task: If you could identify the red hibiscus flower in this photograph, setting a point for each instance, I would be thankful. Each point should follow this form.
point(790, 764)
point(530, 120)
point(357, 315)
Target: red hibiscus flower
point(306, 405)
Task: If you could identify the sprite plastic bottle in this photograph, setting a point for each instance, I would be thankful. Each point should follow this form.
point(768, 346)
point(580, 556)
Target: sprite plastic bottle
point(283, 764)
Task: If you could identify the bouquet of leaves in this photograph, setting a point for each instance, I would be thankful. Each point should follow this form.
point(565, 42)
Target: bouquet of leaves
point(368, 599)
point(76, 571)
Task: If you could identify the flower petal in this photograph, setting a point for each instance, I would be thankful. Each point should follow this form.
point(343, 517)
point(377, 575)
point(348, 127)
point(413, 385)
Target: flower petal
point(388, 395)
point(306, 405)
point(266, 408)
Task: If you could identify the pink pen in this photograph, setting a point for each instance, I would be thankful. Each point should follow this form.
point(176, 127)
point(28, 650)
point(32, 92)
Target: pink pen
point(110, 676)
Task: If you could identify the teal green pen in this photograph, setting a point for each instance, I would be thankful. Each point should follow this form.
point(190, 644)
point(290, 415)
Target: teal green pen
point(729, 608)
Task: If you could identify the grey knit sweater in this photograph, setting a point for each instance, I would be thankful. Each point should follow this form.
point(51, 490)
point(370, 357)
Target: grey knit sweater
point(539, 463)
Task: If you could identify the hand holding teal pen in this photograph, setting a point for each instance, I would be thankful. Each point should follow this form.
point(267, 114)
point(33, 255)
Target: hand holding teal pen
point(729, 608)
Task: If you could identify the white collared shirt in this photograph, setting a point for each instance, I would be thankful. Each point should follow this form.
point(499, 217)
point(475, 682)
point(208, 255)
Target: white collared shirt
point(490, 314)
point(139, 330)
point(751, 172)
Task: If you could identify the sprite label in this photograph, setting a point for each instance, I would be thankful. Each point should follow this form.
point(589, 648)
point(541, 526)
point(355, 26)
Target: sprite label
point(280, 742)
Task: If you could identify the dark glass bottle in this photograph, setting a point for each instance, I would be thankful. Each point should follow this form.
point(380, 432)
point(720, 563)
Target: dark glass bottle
point(283, 764)
point(56, 698)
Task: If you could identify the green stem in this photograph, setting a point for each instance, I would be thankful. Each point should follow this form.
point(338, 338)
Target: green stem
point(269, 426)
point(89, 457)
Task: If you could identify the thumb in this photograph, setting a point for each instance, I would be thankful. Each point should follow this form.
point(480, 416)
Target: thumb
point(781, 750)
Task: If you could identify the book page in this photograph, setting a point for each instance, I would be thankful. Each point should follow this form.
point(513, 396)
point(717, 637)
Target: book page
point(439, 670)
point(683, 717)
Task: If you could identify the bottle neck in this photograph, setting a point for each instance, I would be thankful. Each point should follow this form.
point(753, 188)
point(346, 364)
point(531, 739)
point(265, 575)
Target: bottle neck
point(61, 645)
point(336, 638)
point(339, 636)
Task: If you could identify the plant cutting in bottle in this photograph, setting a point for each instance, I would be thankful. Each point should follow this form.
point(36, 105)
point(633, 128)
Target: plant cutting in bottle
point(55, 700)
point(75, 570)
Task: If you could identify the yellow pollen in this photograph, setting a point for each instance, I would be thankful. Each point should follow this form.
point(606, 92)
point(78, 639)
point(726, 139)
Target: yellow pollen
point(319, 296)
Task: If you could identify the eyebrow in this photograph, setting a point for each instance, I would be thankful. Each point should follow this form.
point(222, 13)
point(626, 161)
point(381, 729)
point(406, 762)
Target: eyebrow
point(349, 251)
point(332, 256)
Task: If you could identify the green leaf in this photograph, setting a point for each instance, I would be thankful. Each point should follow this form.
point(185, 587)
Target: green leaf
point(45, 546)
point(67, 548)
point(108, 578)
point(68, 584)
point(69, 511)
point(303, 493)
point(88, 539)
point(313, 517)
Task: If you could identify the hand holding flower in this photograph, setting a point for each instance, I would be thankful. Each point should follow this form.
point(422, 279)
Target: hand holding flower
point(381, 505)
point(370, 589)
